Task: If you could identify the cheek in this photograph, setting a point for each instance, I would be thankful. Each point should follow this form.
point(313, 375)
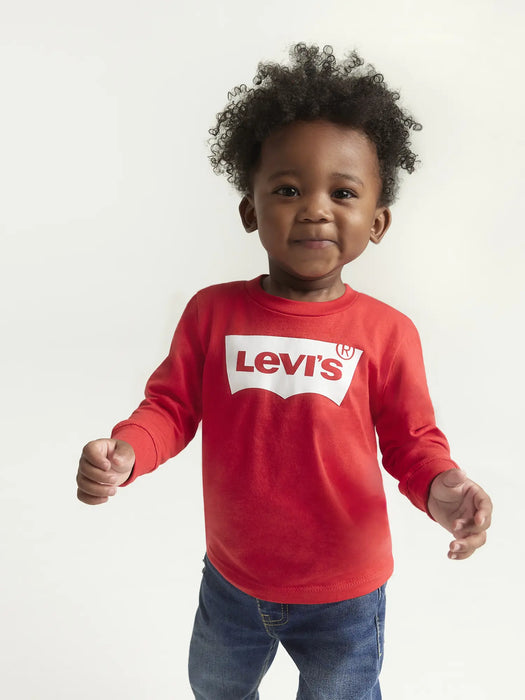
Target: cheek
point(267, 241)
point(358, 222)
point(271, 219)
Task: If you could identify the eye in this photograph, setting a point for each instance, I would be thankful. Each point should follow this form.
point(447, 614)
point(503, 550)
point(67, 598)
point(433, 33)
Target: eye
point(287, 191)
point(343, 194)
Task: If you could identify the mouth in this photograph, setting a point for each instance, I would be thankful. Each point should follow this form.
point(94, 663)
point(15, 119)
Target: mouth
point(314, 243)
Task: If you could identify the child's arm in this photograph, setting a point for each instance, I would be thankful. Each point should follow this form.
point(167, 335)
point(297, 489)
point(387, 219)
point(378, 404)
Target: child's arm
point(104, 465)
point(168, 417)
point(461, 507)
point(417, 454)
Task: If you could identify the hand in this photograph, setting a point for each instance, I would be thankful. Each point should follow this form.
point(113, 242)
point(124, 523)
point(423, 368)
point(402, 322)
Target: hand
point(104, 465)
point(461, 507)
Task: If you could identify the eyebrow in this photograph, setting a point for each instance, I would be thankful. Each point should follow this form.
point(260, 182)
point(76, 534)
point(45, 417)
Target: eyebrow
point(346, 176)
point(281, 173)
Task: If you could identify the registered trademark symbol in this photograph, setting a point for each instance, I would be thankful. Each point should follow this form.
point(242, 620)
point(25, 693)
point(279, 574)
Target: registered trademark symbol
point(345, 352)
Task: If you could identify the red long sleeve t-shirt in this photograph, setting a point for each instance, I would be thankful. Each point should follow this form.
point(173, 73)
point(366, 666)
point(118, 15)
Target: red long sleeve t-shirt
point(291, 395)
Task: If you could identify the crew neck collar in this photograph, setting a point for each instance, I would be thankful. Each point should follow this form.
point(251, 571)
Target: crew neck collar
point(299, 308)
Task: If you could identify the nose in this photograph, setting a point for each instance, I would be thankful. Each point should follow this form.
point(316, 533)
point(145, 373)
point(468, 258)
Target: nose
point(315, 208)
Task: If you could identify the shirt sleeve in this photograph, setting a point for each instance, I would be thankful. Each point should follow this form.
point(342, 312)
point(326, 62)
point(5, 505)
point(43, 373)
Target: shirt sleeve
point(167, 419)
point(414, 450)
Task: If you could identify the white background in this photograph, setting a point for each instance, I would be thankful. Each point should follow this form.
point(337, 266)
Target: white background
point(111, 218)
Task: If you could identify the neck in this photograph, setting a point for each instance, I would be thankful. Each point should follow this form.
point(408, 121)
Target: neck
point(304, 290)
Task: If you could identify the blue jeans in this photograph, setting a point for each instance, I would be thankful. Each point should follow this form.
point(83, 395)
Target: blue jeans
point(337, 647)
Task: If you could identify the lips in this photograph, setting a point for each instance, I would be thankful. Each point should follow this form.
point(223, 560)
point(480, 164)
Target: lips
point(314, 243)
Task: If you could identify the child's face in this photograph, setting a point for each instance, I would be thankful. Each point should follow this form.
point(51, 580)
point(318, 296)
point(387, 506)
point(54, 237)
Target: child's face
point(314, 203)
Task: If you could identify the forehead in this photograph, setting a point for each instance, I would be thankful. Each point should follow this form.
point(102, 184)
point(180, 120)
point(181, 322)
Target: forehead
point(319, 145)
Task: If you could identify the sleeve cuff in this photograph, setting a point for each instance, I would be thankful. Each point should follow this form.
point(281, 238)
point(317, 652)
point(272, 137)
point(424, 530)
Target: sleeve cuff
point(143, 446)
point(417, 486)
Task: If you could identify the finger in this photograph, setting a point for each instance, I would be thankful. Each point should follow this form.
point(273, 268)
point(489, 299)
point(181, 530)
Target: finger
point(459, 525)
point(482, 520)
point(121, 463)
point(476, 540)
point(90, 500)
point(464, 548)
point(483, 515)
point(465, 528)
point(122, 457)
point(479, 523)
point(96, 453)
point(93, 488)
point(95, 474)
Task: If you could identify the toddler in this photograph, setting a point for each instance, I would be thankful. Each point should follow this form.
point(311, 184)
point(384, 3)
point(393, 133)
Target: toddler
point(292, 375)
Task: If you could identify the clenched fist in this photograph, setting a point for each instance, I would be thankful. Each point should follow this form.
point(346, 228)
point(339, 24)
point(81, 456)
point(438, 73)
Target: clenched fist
point(104, 465)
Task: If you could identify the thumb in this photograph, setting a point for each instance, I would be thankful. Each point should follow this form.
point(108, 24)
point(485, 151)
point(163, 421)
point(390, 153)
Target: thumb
point(121, 456)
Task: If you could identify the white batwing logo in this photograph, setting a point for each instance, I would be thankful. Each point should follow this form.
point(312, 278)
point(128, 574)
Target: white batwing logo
point(290, 366)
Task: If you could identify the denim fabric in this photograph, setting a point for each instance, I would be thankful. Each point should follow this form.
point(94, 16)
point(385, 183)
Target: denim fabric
point(337, 647)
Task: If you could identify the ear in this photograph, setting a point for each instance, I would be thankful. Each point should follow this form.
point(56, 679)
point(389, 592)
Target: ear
point(381, 224)
point(247, 212)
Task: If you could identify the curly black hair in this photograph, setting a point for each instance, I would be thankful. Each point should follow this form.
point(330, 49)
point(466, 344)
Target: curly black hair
point(314, 86)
